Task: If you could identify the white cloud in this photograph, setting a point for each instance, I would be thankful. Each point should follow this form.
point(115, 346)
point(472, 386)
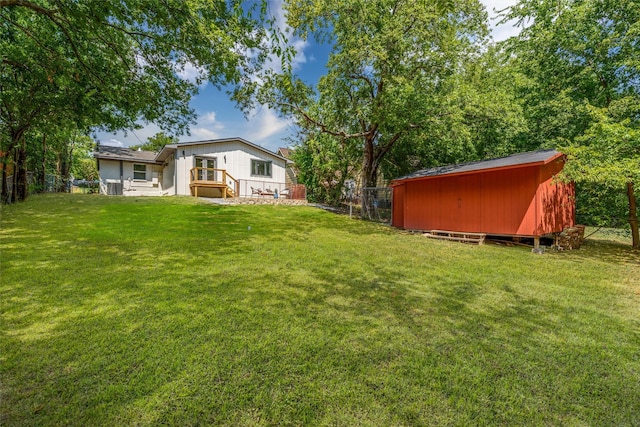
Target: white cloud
point(299, 45)
point(208, 117)
point(207, 127)
point(112, 143)
point(200, 134)
point(276, 9)
point(129, 137)
point(503, 31)
point(266, 123)
point(191, 73)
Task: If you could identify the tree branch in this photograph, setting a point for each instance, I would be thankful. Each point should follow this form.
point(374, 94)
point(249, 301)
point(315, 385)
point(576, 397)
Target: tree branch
point(28, 4)
point(367, 81)
point(323, 128)
point(55, 19)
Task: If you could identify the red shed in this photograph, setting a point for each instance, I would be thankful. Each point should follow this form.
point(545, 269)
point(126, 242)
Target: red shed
point(509, 196)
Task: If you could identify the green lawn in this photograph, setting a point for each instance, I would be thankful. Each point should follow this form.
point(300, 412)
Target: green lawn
point(173, 311)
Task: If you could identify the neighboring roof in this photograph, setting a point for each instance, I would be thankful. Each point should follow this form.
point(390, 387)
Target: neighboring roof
point(284, 152)
point(168, 149)
point(120, 153)
point(517, 160)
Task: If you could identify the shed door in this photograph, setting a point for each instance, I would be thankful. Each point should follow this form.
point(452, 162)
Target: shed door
point(398, 206)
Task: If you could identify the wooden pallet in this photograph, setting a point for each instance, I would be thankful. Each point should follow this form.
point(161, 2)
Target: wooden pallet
point(457, 236)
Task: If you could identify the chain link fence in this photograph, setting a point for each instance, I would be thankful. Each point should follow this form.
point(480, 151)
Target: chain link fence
point(376, 204)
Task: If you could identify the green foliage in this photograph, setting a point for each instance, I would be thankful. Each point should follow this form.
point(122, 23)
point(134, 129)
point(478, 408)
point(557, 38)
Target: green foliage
point(108, 64)
point(481, 117)
point(388, 75)
point(324, 163)
point(123, 60)
point(156, 142)
point(608, 153)
point(604, 159)
point(85, 169)
point(581, 94)
point(601, 205)
point(307, 318)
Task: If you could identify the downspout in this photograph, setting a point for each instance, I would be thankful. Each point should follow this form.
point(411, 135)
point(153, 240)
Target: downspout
point(100, 177)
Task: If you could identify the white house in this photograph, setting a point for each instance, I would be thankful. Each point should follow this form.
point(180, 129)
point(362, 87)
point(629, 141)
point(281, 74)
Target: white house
point(213, 168)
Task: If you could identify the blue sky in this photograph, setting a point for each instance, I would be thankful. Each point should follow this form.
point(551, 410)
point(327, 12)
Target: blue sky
point(218, 117)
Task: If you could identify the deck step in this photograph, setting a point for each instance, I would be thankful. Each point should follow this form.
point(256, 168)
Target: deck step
point(456, 236)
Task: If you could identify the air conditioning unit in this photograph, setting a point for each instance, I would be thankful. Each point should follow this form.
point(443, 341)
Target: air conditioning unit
point(114, 188)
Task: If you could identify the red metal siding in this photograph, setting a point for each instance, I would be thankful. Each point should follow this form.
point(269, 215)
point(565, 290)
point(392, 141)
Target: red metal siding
point(555, 202)
point(397, 217)
point(518, 201)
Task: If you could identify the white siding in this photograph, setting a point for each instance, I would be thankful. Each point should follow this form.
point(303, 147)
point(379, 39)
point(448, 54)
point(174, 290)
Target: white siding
point(109, 170)
point(233, 156)
point(110, 173)
point(168, 176)
point(173, 177)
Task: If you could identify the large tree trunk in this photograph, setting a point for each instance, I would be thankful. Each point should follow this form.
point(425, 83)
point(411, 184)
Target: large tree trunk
point(22, 184)
point(5, 190)
point(42, 178)
point(63, 184)
point(19, 153)
point(633, 216)
point(62, 170)
point(64, 167)
point(14, 180)
point(369, 176)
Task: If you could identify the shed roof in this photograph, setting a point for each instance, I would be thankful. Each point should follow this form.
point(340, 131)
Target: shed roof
point(516, 160)
point(121, 153)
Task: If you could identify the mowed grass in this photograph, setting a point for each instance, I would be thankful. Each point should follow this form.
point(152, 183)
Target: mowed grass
point(173, 311)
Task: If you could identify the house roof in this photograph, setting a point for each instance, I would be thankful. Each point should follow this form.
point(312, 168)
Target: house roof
point(517, 160)
point(120, 153)
point(285, 152)
point(168, 149)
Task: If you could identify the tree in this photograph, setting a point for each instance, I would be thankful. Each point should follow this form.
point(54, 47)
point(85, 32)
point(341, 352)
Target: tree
point(583, 64)
point(484, 119)
point(608, 154)
point(156, 142)
point(109, 64)
point(86, 169)
point(388, 75)
point(324, 163)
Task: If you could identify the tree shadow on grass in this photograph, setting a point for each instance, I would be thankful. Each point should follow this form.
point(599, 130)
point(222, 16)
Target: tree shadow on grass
point(607, 251)
point(335, 346)
point(338, 343)
point(517, 352)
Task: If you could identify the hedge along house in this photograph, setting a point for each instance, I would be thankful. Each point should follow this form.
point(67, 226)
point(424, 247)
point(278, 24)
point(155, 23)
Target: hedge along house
point(513, 196)
point(213, 168)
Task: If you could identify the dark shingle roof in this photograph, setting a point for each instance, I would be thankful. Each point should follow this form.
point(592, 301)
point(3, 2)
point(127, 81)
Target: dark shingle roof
point(515, 160)
point(120, 153)
point(168, 149)
point(285, 152)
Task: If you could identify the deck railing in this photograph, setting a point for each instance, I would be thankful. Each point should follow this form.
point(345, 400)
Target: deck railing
point(212, 177)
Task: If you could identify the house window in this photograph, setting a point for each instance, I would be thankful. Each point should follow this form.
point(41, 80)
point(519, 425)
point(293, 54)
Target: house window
point(260, 168)
point(140, 172)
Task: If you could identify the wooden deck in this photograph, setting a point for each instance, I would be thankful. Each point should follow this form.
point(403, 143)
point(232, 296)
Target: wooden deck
point(457, 236)
point(202, 178)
